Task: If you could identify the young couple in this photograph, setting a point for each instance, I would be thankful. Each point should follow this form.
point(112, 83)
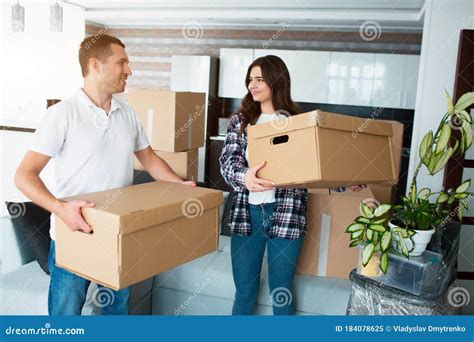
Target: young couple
point(92, 138)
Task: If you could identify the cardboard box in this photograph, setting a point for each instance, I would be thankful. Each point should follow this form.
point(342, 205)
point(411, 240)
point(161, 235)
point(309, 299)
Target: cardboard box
point(185, 164)
point(321, 150)
point(325, 250)
point(382, 193)
point(140, 231)
point(397, 147)
point(173, 121)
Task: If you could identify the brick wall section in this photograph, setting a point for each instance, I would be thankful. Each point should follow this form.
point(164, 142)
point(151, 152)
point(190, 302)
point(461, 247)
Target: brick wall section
point(150, 50)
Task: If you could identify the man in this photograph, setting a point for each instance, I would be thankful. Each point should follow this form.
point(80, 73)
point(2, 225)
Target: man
point(92, 138)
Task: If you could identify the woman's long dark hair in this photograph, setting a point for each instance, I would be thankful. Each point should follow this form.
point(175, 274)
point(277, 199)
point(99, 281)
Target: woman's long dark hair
point(275, 74)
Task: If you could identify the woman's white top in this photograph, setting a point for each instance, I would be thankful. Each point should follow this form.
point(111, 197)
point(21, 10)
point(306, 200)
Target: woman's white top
point(263, 196)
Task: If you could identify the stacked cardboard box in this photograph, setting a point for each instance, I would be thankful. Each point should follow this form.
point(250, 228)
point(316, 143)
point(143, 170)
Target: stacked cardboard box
point(185, 164)
point(140, 231)
point(325, 250)
point(174, 123)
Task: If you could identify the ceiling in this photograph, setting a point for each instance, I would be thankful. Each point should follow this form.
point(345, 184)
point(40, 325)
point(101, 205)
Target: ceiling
point(344, 15)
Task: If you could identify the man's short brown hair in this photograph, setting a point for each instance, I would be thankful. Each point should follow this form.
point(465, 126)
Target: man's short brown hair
point(98, 47)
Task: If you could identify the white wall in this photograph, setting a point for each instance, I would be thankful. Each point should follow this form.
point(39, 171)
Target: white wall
point(442, 24)
point(38, 64)
point(14, 145)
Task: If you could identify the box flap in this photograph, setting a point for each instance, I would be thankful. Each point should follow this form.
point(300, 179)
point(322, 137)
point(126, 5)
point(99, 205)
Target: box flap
point(140, 206)
point(323, 191)
point(319, 118)
point(397, 147)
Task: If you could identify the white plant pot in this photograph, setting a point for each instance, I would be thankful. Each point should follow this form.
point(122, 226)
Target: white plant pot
point(421, 239)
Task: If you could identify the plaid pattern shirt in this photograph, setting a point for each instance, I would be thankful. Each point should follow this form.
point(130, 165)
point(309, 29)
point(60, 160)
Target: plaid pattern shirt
point(289, 218)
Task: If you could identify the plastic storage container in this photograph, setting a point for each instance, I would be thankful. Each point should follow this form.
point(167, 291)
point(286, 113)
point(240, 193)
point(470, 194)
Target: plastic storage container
point(416, 275)
point(370, 297)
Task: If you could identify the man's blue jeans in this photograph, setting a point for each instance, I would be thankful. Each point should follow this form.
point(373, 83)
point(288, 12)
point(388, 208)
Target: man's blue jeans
point(247, 256)
point(67, 293)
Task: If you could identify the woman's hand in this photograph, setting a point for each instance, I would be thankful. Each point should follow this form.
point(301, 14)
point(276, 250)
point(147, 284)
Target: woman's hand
point(357, 188)
point(255, 184)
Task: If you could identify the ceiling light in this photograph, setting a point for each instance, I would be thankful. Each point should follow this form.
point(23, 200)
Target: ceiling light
point(18, 17)
point(56, 18)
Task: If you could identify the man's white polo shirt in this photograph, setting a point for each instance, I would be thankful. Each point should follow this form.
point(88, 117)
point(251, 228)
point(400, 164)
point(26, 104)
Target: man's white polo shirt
point(91, 151)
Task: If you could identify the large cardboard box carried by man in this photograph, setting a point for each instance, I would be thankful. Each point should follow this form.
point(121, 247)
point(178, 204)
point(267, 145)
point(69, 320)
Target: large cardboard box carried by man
point(140, 231)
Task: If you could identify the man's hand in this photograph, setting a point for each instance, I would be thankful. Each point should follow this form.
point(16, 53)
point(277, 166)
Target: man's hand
point(71, 214)
point(357, 188)
point(190, 183)
point(255, 184)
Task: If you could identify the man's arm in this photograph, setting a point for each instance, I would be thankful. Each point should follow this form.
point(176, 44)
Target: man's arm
point(27, 180)
point(158, 168)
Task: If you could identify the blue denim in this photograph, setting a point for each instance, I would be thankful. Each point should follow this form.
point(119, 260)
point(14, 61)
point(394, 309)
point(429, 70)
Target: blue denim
point(247, 256)
point(67, 293)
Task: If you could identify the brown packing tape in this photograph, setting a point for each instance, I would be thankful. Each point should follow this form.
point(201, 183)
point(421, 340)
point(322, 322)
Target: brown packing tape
point(190, 121)
point(397, 147)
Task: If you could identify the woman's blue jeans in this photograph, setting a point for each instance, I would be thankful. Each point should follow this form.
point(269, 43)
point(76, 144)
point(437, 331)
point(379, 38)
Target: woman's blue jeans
point(247, 256)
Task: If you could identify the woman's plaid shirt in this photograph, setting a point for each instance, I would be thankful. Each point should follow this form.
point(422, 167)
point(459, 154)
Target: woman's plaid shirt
point(289, 220)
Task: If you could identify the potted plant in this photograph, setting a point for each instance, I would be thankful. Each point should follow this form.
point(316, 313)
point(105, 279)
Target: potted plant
point(407, 228)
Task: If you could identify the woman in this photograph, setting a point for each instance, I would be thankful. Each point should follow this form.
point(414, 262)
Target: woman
point(261, 215)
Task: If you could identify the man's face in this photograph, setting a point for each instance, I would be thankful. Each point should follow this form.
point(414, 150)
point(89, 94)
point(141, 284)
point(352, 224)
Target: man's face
point(115, 70)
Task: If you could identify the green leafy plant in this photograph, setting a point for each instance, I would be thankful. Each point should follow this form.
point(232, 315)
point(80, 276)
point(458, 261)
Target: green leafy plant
point(371, 227)
point(417, 211)
point(423, 209)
